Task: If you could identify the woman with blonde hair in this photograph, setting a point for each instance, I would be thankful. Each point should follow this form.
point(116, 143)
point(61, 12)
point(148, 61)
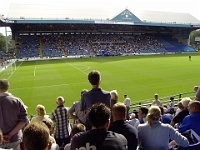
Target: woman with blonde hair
point(41, 113)
point(154, 135)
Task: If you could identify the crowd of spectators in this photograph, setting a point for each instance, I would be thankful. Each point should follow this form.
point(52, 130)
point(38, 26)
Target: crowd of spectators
point(153, 128)
point(109, 44)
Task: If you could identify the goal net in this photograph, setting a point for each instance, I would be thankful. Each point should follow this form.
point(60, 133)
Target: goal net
point(7, 68)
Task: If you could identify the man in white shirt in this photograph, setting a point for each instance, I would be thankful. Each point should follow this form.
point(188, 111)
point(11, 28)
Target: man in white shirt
point(127, 102)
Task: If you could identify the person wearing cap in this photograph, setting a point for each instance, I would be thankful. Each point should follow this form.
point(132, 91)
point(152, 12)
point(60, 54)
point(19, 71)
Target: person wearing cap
point(61, 119)
point(13, 117)
point(156, 101)
point(79, 116)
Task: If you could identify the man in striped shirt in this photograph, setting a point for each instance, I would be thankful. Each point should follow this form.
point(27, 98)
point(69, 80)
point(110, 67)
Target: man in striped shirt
point(59, 116)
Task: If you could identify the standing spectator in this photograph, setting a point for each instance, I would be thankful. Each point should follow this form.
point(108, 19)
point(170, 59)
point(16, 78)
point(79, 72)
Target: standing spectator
point(41, 113)
point(171, 105)
point(156, 101)
point(99, 138)
point(13, 117)
point(36, 137)
point(120, 126)
point(59, 116)
point(134, 121)
point(79, 116)
point(1, 137)
point(196, 87)
point(154, 135)
point(142, 113)
point(114, 99)
point(198, 95)
point(127, 102)
point(191, 122)
point(96, 95)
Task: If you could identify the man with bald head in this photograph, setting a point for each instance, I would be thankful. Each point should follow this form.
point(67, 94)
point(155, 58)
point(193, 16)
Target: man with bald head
point(191, 122)
point(59, 116)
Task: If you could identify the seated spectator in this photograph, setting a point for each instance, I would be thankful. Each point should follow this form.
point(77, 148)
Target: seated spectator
point(180, 108)
point(36, 137)
point(134, 121)
point(99, 137)
point(154, 135)
point(142, 113)
point(76, 128)
point(191, 122)
point(179, 118)
point(165, 117)
point(119, 125)
point(79, 116)
point(41, 113)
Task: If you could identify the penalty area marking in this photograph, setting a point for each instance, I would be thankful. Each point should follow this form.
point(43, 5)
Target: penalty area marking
point(78, 69)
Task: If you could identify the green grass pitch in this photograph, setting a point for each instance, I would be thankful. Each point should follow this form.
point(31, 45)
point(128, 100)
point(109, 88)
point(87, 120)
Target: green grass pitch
point(41, 82)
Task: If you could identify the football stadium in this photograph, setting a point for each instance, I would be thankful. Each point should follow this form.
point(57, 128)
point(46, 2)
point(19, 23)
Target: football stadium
point(144, 58)
point(138, 55)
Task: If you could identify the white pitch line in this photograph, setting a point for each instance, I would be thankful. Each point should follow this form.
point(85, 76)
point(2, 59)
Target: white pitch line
point(46, 86)
point(77, 69)
point(14, 71)
point(34, 72)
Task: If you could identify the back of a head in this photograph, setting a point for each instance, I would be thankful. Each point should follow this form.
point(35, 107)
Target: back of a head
point(40, 109)
point(114, 95)
point(36, 136)
point(4, 85)
point(76, 128)
point(156, 96)
point(144, 110)
point(94, 77)
point(83, 91)
point(60, 100)
point(196, 105)
point(198, 95)
point(119, 110)
point(98, 115)
point(153, 115)
point(185, 101)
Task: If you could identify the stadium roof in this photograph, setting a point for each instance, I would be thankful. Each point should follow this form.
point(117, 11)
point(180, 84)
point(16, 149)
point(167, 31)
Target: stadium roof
point(36, 12)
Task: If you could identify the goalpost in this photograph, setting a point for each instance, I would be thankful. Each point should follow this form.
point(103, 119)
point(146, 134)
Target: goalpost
point(8, 68)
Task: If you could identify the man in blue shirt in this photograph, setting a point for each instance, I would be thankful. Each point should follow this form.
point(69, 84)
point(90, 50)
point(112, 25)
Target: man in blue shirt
point(191, 122)
point(96, 95)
